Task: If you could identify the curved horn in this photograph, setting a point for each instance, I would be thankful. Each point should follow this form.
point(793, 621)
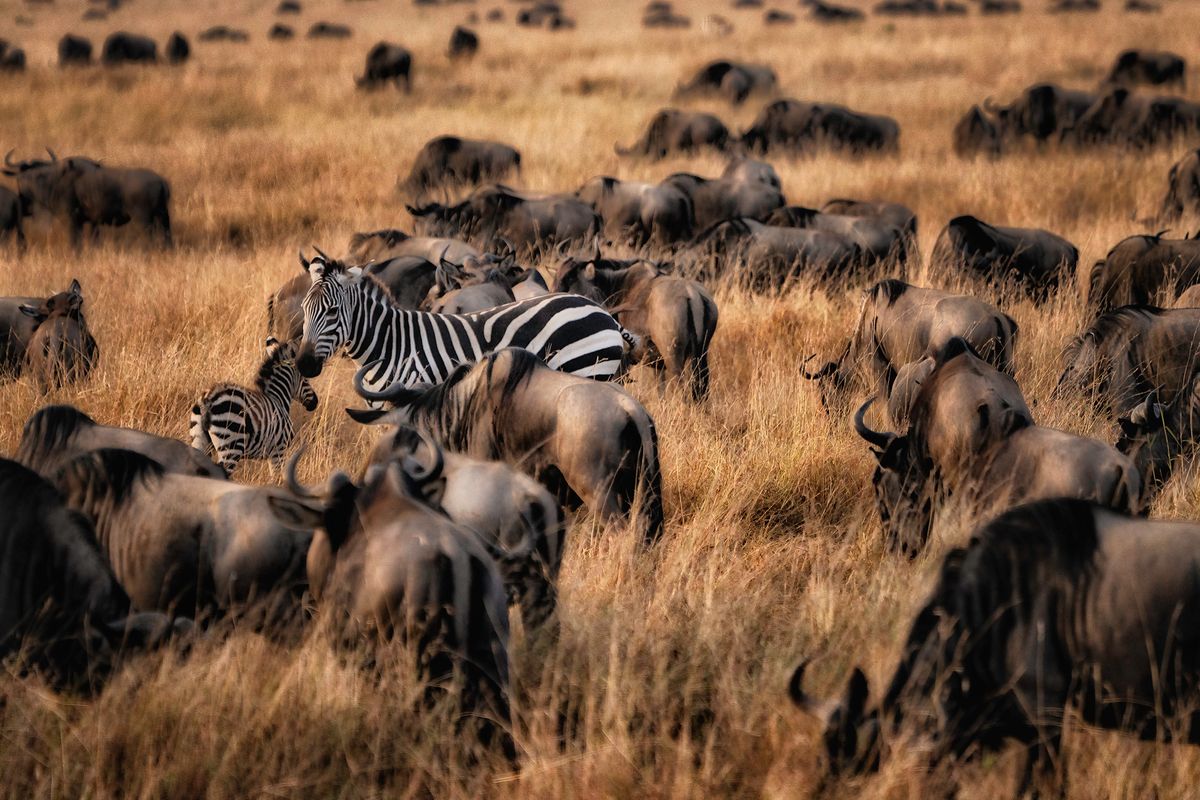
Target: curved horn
point(294, 485)
point(8, 162)
point(823, 372)
point(425, 474)
point(874, 438)
point(396, 393)
point(821, 709)
point(989, 105)
point(53, 157)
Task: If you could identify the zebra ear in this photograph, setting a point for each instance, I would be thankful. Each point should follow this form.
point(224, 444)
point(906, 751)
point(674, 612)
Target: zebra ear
point(589, 271)
point(304, 262)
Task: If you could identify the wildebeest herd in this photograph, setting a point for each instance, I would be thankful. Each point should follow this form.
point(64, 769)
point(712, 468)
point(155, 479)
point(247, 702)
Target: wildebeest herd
point(491, 341)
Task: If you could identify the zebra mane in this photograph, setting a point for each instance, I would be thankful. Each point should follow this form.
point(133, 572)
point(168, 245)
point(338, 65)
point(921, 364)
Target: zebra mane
point(272, 363)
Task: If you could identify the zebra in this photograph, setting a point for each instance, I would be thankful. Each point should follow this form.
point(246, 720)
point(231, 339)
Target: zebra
point(346, 308)
point(236, 422)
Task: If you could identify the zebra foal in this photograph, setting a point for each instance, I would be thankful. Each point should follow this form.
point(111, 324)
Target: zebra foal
point(237, 422)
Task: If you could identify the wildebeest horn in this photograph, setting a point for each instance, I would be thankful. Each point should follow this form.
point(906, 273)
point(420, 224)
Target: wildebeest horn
point(874, 438)
point(53, 157)
point(989, 105)
point(397, 393)
point(8, 162)
point(823, 372)
point(820, 709)
point(413, 466)
point(294, 485)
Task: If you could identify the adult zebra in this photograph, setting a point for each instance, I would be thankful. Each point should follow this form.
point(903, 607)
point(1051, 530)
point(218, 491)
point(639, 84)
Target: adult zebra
point(346, 308)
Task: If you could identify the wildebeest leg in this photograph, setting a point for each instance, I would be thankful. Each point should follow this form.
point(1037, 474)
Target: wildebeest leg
point(1041, 769)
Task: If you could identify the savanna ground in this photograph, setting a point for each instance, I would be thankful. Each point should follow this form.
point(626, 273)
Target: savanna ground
point(673, 662)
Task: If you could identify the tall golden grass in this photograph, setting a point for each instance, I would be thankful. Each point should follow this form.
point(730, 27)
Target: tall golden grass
point(670, 665)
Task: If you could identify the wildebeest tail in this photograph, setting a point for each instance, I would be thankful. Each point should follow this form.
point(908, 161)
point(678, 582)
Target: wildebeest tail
point(640, 438)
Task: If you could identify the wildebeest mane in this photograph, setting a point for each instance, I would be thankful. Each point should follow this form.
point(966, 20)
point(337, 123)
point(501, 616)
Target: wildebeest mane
point(1108, 326)
point(47, 431)
point(107, 476)
point(891, 289)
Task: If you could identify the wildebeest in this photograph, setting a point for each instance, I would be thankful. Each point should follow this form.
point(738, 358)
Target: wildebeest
point(329, 30)
point(675, 317)
point(1148, 68)
point(12, 58)
point(61, 608)
point(464, 43)
point(894, 214)
point(187, 543)
point(1158, 435)
point(495, 215)
point(1056, 605)
point(18, 321)
point(877, 240)
point(900, 324)
point(378, 246)
point(1144, 270)
point(74, 50)
point(12, 216)
point(223, 33)
point(675, 132)
point(775, 16)
point(388, 565)
point(792, 125)
point(477, 284)
point(640, 213)
point(1067, 6)
point(281, 32)
point(970, 435)
point(829, 12)
point(733, 80)
point(1130, 352)
point(55, 435)
point(288, 7)
point(514, 513)
point(124, 48)
point(770, 257)
point(1042, 113)
point(1122, 117)
point(546, 14)
point(585, 440)
point(87, 193)
point(661, 14)
point(740, 193)
point(386, 62)
point(60, 349)
point(448, 162)
point(918, 8)
point(1034, 260)
point(1183, 188)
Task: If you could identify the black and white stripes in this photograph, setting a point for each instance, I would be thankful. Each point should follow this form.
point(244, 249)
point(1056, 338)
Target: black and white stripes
point(236, 422)
point(345, 308)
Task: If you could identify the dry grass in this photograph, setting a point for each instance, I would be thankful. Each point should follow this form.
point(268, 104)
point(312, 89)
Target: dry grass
point(672, 663)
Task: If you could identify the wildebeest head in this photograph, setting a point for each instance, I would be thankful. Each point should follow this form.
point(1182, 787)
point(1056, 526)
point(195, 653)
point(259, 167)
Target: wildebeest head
point(851, 732)
point(902, 486)
point(1155, 434)
point(977, 133)
point(326, 312)
point(64, 304)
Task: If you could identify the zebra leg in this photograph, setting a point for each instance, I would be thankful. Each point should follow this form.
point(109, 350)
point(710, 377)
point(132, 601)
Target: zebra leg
point(200, 440)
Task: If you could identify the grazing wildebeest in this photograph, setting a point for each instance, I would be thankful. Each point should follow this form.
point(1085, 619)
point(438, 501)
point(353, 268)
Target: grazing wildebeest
point(61, 609)
point(329, 30)
point(1042, 113)
point(900, 324)
point(86, 193)
point(514, 513)
point(732, 80)
point(12, 216)
point(792, 125)
point(1158, 435)
point(19, 320)
point(74, 50)
point(975, 134)
point(60, 349)
point(381, 245)
point(661, 14)
point(1125, 118)
point(480, 284)
point(386, 62)
point(1183, 188)
point(464, 43)
point(1148, 68)
point(288, 7)
point(235, 422)
point(281, 32)
point(12, 58)
point(675, 132)
point(495, 215)
point(829, 12)
point(970, 435)
point(894, 214)
point(776, 17)
point(1144, 270)
point(587, 441)
point(1130, 352)
point(675, 317)
point(879, 241)
point(223, 33)
point(769, 257)
point(388, 563)
point(1034, 260)
point(55, 435)
point(1067, 6)
point(124, 48)
point(186, 543)
point(991, 656)
point(448, 162)
point(741, 193)
point(640, 213)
